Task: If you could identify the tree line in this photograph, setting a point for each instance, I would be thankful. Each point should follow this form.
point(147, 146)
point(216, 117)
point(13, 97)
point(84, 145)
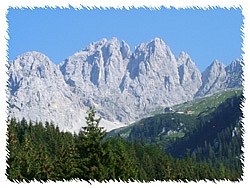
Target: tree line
point(43, 152)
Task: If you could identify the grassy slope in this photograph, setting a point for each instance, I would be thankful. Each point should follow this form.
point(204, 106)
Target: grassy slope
point(207, 104)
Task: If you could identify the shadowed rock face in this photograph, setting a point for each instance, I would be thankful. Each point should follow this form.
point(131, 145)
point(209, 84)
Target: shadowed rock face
point(121, 85)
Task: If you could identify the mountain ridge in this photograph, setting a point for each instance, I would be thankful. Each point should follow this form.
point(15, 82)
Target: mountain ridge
point(121, 85)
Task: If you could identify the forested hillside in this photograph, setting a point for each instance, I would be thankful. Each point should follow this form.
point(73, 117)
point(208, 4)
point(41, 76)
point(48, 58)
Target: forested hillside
point(212, 135)
point(42, 152)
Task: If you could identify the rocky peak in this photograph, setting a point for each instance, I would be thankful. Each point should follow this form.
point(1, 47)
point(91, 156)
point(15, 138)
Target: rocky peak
point(155, 47)
point(32, 65)
point(183, 58)
point(213, 71)
point(156, 43)
point(213, 78)
point(190, 76)
point(234, 72)
point(121, 85)
point(235, 66)
point(31, 59)
point(111, 46)
point(125, 50)
point(96, 45)
point(152, 56)
point(216, 67)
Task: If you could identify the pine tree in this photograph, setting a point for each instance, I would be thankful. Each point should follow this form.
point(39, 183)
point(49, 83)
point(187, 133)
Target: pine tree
point(92, 149)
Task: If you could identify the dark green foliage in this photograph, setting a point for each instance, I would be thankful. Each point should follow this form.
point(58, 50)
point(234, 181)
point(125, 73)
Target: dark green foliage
point(38, 152)
point(163, 129)
point(123, 161)
point(218, 137)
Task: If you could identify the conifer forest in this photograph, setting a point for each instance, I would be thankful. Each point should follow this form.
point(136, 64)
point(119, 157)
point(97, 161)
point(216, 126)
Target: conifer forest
point(42, 152)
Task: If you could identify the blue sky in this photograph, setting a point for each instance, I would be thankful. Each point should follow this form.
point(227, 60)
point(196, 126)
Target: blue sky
point(205, 35)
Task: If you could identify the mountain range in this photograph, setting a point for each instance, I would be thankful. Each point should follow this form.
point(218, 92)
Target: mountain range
point(121, 85)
